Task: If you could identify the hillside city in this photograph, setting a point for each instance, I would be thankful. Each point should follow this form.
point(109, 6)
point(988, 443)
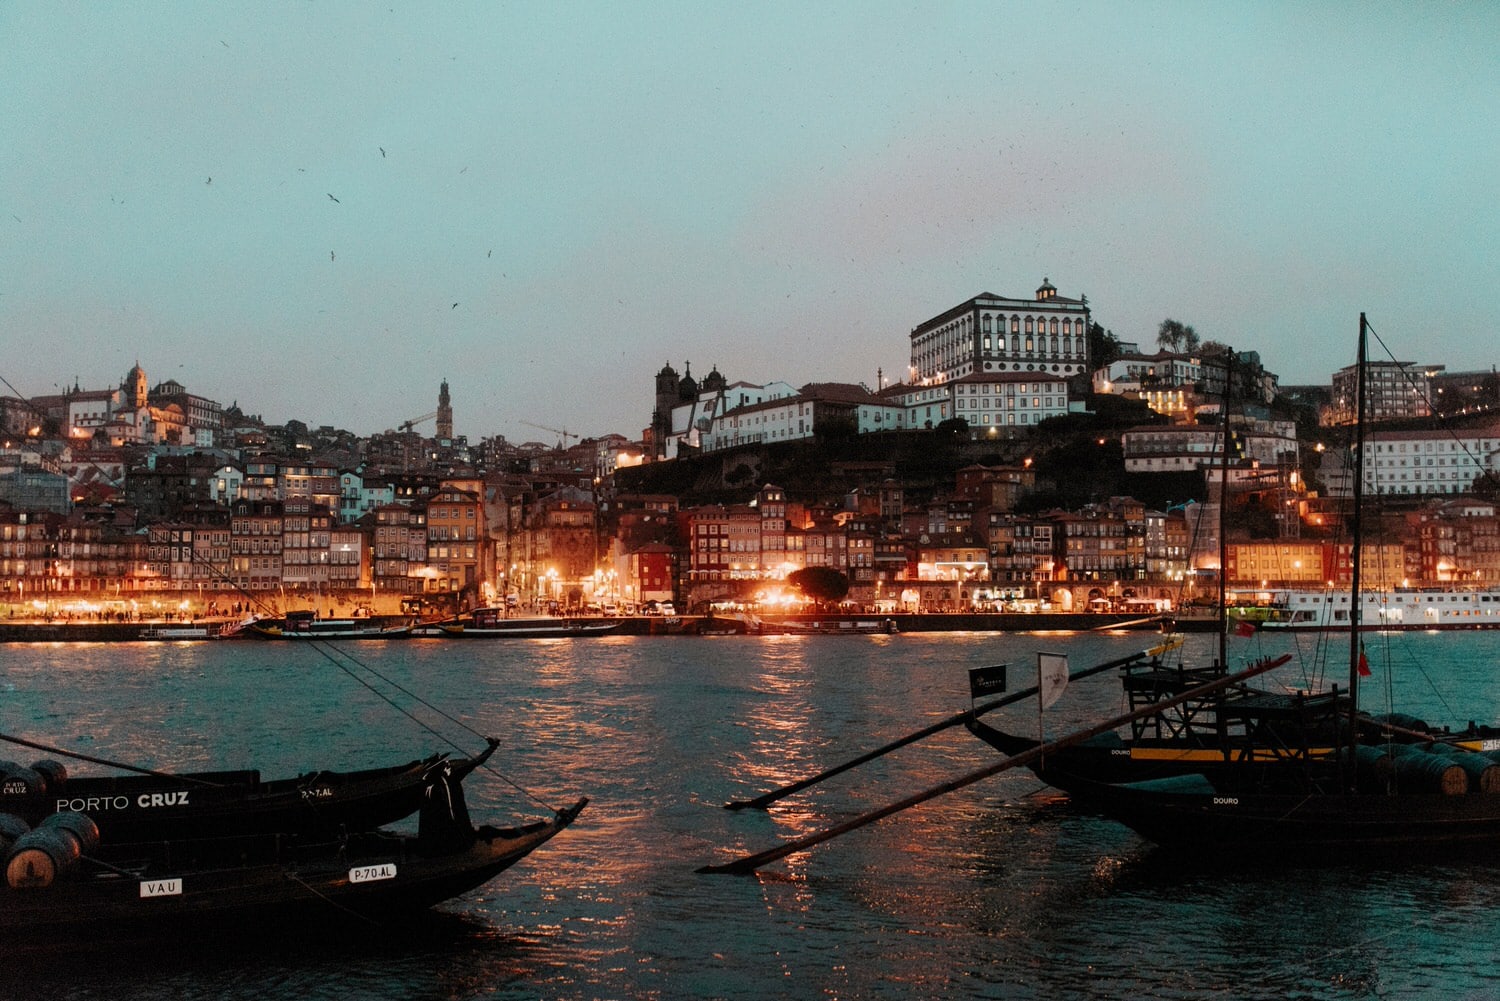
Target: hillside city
point(1027, 460)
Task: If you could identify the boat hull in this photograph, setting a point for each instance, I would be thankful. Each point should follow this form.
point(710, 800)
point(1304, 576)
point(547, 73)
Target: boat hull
point(526, 629)
point(375, 876)
point(1200, 817)
point(135, 808)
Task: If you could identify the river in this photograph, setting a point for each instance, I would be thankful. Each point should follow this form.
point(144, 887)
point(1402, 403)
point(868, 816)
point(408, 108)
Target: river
point(999, 890)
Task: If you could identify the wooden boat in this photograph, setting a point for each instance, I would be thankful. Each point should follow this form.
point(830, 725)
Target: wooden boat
point(492, 623)
point(159, 805)
point(304, 625)
point(1374, 784)
point(177, 634)
point(62, 882)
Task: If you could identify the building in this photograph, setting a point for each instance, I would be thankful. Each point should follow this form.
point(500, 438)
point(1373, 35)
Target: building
point(817, 408)
point(1041, 338)
point(255, 540)
point(1394, 390)
point(203, 416)
point(456, 539)
point(399, 548)
point(1427, 462)
point(1168, 381)
point(1005, 403)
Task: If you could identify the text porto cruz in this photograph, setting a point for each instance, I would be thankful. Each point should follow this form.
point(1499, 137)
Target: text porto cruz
point(145, 801)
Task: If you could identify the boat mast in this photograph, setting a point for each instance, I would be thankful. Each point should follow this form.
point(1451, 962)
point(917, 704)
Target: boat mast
point(1356, 530)
point(1223, 511)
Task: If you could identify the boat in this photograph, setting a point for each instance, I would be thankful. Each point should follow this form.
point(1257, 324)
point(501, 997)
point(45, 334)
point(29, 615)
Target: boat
point(178, 633)
point(737, 622)
point(151, 805)
point(1238, 725)
point(306, 625)
point(1394, 609)
point(1374, 785)
point(64, 880)
point(492, 623)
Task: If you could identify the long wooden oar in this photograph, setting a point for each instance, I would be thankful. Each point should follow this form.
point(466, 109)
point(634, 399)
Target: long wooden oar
point(750, 863)
point(766, 799)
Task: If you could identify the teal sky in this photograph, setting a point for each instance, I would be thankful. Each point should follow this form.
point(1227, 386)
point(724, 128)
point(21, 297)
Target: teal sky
point(779, 190)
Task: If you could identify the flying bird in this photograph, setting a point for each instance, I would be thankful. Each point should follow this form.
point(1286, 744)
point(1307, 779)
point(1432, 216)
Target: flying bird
point(330, 255)
point(331, 198)
point(209, 181)
point(454, 306)
point(382, 151)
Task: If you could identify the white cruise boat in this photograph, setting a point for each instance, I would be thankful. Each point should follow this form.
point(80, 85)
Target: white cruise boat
point(1400, 608)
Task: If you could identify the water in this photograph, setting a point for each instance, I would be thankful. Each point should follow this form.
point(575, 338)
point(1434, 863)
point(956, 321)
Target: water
point(999, 890)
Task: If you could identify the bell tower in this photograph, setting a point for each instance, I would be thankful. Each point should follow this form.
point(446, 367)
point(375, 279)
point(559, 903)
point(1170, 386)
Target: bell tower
point(444, 413)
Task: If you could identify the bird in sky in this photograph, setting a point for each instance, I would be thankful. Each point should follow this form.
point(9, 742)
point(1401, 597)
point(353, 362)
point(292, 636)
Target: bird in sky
point(454, 306)
point(382, 151)
point(330, 255)
point(331, 198)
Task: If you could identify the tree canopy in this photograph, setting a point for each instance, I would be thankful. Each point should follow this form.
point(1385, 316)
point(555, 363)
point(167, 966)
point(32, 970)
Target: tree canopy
point(1176, 336)
point(821, 584)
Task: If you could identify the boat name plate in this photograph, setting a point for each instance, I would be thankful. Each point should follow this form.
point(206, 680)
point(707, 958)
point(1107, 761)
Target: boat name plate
point(161, 888)
point(371, 873)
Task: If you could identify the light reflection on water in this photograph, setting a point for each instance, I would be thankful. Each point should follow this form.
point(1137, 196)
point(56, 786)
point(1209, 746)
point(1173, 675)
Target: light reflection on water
point(994, 891)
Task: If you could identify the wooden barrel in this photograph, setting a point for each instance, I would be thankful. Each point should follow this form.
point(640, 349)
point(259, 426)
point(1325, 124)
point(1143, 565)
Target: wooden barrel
point(1372, 767)
point(19, 784)
point(39, 857)
point(55, 772)
point(1409, 768)
point(11, 828)
point(1483, 771)
point(80, 826)
point(1417, 770)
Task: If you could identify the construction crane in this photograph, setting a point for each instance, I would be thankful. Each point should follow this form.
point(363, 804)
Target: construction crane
point(563, 435)
point(408, 425)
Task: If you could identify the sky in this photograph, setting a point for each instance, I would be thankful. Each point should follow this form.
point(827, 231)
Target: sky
point(319, 211)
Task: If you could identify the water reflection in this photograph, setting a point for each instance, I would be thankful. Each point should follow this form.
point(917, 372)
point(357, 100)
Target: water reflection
point(999, 890)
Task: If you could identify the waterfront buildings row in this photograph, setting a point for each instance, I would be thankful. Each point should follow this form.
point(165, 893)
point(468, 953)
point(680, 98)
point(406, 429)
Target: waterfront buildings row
point(547, 540)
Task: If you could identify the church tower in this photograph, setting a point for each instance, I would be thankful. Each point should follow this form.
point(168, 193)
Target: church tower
point(135, 387)
point(444, 413)
point(661, 414)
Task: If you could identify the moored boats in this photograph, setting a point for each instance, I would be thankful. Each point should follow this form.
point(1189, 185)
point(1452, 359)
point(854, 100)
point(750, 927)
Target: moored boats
point(493, 623)
point(306, 625)
point(1379, 784)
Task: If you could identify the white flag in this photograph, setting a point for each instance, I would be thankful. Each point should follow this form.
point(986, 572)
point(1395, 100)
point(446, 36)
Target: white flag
point(1052, 677)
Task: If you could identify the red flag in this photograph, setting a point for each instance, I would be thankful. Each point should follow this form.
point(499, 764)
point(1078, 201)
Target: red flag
point(1244, 627)
point(1364, 662)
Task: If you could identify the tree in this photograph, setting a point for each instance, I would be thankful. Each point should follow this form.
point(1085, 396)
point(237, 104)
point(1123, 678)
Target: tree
point(1104, 346)
point(821, 584)
point(1176, 336)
